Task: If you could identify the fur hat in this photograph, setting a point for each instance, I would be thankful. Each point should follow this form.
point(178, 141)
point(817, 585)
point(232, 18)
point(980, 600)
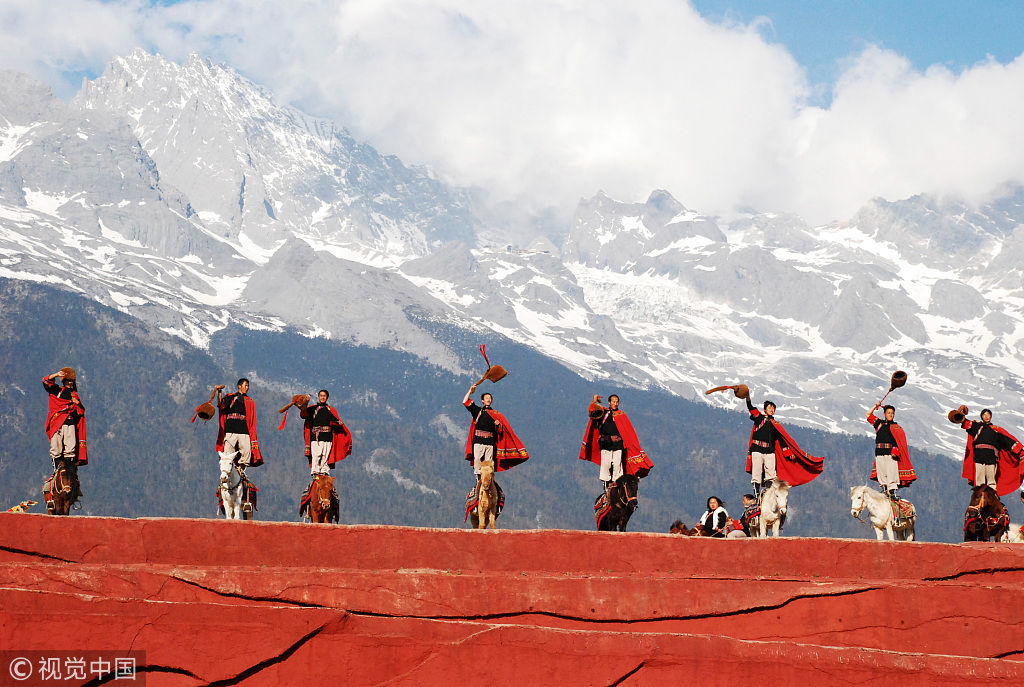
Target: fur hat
point(741, 391)
point(957, 415)
point(67, 373)
point(206, 411)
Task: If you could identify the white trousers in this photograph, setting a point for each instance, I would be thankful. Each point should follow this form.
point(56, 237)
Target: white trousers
point(887, 469)
point(985, 474)
point(235, 443)
point(319, 452)
point(761, 462)
point(611, 465)
point(63, 443)
point(482, 452)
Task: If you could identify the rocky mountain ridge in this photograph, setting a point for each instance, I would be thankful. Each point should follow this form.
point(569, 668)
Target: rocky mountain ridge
point(185, 196)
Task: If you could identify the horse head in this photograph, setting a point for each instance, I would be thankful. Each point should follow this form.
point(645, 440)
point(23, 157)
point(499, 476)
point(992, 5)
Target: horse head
point(324, 490)
point(630, 486)
point(781, 491)
point(857, 500)
point(486, 473)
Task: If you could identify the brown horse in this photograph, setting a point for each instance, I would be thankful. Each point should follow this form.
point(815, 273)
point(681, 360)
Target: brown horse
point(986, 516)
point(323, 500)
point(61, 491)
point(679, 527)
point(486, 513)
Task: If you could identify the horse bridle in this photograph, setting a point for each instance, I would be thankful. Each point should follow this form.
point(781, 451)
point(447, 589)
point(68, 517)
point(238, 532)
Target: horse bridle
point(240, 471)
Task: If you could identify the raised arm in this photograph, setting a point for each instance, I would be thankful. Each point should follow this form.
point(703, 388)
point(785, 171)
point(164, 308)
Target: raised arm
point(468, 394)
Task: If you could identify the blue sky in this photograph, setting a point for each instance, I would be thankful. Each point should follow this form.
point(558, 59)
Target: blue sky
point(822, 34)
point(806, 107)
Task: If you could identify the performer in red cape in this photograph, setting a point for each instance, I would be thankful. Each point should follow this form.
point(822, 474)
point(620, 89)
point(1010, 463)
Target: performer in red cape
point(327, 438)
point(772, 450)
point(491, 436)
point(236, 439)
point(892, 457)
point(610, 442)
point(65, 422)
point(993, 456)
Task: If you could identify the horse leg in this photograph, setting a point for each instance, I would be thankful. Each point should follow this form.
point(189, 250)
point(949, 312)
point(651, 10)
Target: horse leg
point(775, 527)
point(762, 526)
point(889, 530)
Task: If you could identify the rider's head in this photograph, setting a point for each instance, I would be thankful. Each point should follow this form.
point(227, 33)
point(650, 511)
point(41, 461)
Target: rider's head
point(613, 402)
point(323, 395)
point(243, 385)
point(486, 398)
point(749, 499)
point(714, 502)
point(769, 408)
point(890, 412)
point(988, 413)
point(68, 383)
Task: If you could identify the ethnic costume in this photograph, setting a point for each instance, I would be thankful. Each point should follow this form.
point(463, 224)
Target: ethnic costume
point(992, 457)
point(792, 464)
point(327, 438)
point(892, 468)
point(714, 521)
point(237, 433)
point(65, 426)
point(611, 443)
point(491, 438)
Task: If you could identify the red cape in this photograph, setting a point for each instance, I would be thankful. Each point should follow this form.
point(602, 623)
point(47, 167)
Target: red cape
point(58, 412)
point(1008, 472)
point(508, 451)
point(250, 423)
point(902, 453)
point(792, 464)
point(636, 463)
point(341, 444)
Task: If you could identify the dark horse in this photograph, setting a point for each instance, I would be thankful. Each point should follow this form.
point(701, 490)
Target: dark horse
point(61, 491)
point(613, 509)
point(986, 517)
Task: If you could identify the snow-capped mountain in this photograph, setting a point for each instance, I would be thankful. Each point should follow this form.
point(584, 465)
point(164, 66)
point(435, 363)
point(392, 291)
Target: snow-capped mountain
point(185, 196)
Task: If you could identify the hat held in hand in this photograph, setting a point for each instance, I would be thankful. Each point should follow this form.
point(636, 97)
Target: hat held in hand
point(494, 372)
point(67, 373)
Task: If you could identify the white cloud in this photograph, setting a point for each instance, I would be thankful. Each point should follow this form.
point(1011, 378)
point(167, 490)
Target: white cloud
point(547, 101)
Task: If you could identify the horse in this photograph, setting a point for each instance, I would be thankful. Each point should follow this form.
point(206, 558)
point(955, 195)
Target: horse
point(612, 509)
point(236, 499)
point(323, 500)
point(486, 512)
point(1014, 534)
point(774, 504)
point(880, 509)
point(61, 491)
point(986, 517)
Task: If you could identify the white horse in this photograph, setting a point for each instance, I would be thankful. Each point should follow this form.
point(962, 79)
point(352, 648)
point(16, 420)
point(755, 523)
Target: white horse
point(880, 510)
point(1014, 535)
point(774, 504)
point(231, 494)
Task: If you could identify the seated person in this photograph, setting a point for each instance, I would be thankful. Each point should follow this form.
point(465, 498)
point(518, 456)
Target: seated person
point(715, 518)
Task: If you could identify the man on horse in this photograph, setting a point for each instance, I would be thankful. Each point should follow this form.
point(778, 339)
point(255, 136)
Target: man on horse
point(611, 442)
point(236, 439)
point(892, 457)
point(327, 438)
point(773, 453)
point(992, 456)
point(491, 436)
point(65, 423)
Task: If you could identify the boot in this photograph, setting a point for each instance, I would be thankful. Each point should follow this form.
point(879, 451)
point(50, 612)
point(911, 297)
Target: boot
point(757, 491)
point(893, 495)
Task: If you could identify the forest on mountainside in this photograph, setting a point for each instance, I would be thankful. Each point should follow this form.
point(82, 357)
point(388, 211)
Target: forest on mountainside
point(141, 387)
